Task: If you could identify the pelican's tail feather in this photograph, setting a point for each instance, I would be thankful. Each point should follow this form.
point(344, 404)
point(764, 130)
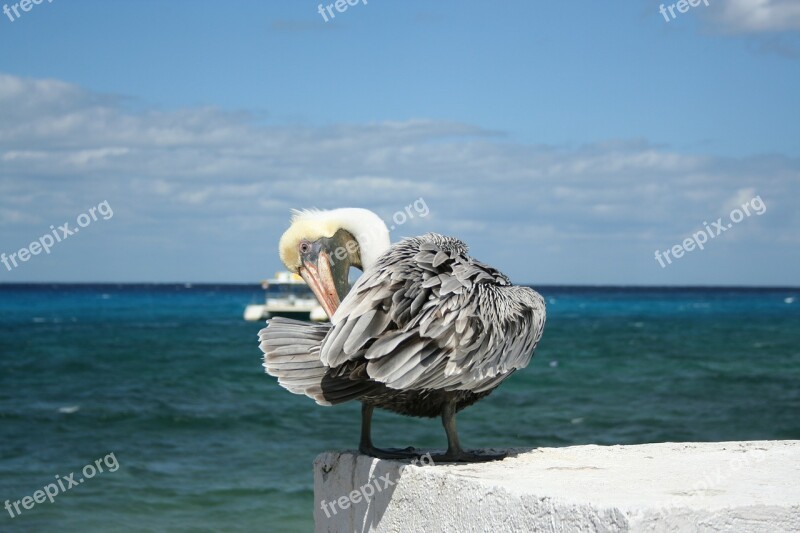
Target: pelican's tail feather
point(291, 353)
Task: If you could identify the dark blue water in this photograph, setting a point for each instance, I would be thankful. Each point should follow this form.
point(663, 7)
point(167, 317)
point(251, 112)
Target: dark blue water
point(169, 380)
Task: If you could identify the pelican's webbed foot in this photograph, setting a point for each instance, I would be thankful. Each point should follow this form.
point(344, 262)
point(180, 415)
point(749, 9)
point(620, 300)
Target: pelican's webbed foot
point(455, 453)
point(366, 447)
point(391, 453)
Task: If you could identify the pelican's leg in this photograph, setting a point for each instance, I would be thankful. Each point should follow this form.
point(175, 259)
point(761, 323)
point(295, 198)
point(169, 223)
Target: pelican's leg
point(454, 451)
point(366, 429)
point(365, 445)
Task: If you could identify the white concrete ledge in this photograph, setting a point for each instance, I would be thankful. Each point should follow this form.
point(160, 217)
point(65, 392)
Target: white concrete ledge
point(721, 486)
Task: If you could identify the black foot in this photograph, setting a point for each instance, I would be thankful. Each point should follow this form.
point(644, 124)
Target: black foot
point(391, 453)
point(462, 456)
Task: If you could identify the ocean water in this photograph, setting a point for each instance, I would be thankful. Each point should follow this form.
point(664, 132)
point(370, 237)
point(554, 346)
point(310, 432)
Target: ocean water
point(168, 378)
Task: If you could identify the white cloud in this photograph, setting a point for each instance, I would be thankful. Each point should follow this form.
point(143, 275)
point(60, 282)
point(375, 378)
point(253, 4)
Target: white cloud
point(213, 179)
point(757, 16)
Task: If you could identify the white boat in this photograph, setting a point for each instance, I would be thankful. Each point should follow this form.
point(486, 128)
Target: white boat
point(287, 295)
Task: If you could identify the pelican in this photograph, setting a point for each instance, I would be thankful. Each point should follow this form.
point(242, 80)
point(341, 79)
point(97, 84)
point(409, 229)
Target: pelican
point(425, 331)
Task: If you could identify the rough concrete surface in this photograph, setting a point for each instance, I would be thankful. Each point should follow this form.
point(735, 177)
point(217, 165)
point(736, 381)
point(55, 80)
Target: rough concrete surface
point(721, 486)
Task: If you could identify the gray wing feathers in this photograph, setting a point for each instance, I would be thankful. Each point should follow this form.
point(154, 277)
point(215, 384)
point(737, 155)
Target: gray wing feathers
point(428, 316)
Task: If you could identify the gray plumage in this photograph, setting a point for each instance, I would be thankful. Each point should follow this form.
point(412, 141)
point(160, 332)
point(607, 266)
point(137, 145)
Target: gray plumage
point(426, 324)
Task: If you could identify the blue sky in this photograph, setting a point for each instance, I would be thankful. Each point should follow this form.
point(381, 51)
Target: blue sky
point(564, 142)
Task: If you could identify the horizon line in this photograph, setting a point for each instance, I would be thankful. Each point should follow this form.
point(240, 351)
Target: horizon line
point(258, 284)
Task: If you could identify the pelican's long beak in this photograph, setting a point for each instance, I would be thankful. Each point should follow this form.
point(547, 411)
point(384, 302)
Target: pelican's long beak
point(325, 273)
point(319, 277)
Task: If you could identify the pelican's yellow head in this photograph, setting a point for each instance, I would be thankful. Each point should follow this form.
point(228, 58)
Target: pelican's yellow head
point(321, 246)
point(302, 228)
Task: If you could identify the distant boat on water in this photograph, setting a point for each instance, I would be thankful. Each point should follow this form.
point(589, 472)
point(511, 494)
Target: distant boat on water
point(287, 295)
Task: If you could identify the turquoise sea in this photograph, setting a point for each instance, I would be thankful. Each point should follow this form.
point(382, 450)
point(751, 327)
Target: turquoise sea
point(168, 378)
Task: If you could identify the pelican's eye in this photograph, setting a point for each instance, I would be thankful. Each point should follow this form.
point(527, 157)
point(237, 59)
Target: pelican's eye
point(305, 247)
